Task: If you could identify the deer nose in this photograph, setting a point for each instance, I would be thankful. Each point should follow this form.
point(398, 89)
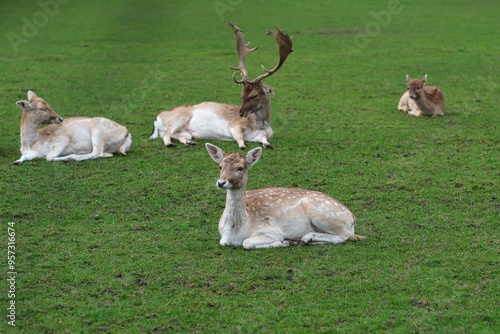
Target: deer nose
point(221, 184)
point(56, 120)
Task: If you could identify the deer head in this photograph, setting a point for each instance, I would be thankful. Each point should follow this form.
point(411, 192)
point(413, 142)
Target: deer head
point(38, 111)
point(254, 92)
point(415, 86)
point(233, 167)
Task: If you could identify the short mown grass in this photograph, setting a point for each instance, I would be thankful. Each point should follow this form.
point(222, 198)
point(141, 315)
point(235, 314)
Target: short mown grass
point(130, 244)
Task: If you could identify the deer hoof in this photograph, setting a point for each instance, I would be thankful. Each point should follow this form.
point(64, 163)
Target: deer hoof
point(243, 147)
point(268, 146)
point(191, 143)
point(170, 145)
point(305, 240)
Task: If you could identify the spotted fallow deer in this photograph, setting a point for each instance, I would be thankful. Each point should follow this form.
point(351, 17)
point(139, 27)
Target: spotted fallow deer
point(420, 99)
point(211, 120)
point(77, 138)
point(275, 217)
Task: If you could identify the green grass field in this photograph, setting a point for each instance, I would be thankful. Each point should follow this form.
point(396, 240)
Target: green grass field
point(131, 245)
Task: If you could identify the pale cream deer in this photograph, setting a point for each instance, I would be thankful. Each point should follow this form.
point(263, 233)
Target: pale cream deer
point(275, 217)
point(77, 138)
point(420, 99)
point(219, 121)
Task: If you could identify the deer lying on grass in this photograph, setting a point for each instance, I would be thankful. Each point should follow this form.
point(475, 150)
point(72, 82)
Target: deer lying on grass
point(77, 138)
point(211, 120)
point(275, 217)
point(422, 100)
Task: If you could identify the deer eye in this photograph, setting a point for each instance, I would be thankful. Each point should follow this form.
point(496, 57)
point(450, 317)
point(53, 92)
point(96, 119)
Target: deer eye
point(255, 96)
point(240, 169)
point(220, 167)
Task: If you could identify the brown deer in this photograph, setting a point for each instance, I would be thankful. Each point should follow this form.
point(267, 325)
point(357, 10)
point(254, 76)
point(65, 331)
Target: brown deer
point(421, 99)
point(77, 138)
point(211, 120)
point(275, 217)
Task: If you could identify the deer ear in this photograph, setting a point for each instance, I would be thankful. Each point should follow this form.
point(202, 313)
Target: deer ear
point(268, 90)
point(253, 156)
point(425, 80)
point(23, 104)
point(215, 152)
point(31, 95)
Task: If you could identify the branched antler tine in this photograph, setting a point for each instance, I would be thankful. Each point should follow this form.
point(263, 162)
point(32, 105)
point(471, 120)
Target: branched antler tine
point(243, 51)
point(285, 48)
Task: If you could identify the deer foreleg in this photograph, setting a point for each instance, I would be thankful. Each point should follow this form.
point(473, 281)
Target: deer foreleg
point(56, 150)
point(323, 238)
point(406, 104)
point(413, 109)
point(263, 242)
point(403, 102)
point(26, 156)
point(265, 143)
point(237, 133)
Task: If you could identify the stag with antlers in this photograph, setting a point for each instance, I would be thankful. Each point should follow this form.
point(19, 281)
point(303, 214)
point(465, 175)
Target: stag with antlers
point(219, 121)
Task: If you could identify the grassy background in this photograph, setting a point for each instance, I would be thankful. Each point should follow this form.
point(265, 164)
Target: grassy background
point(130, 244)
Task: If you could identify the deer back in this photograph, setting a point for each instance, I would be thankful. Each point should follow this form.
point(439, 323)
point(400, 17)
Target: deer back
point(435, 97)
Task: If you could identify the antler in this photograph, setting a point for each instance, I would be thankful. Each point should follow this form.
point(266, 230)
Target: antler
point(285, 48)
point(243, 51)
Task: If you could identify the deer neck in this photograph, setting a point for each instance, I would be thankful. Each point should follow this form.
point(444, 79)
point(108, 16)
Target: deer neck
point(235, 213)
point(29, 131)
point(263, 113)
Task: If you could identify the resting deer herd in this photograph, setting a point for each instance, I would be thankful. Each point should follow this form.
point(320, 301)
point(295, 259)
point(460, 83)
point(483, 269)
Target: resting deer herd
point(264, 218)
